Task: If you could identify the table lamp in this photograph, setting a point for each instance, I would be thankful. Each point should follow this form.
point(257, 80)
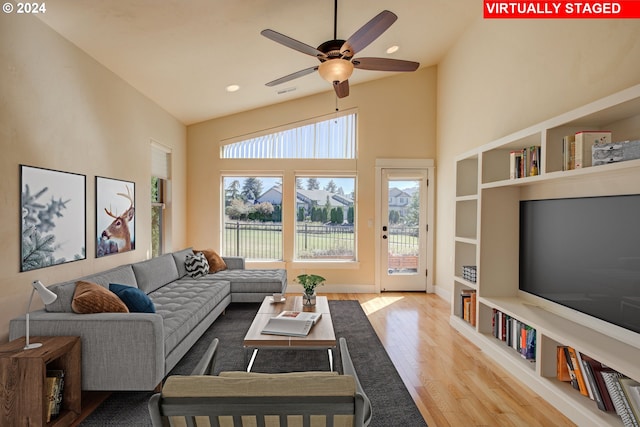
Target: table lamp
point(47, 297)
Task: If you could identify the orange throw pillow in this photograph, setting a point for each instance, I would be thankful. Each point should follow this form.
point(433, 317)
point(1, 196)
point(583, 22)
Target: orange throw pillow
point(90, 297)
point(216, 263)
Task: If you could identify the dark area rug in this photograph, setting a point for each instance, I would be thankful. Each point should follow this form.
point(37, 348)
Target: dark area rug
point(392, 403)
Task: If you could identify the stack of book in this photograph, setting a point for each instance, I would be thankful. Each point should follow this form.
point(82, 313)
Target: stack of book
point(525, 162)
point(577, 148)
point(611, 390)
point(55, 385)
point(468, 305)
point(517, 335)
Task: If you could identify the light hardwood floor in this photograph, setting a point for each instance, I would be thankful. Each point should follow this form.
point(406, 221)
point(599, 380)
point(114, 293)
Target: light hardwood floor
point(451, 380)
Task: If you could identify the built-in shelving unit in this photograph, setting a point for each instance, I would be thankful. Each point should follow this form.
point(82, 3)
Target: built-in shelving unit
point(487, 232)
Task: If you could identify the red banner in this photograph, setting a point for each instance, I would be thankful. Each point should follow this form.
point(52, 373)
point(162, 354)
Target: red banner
point(625, 9)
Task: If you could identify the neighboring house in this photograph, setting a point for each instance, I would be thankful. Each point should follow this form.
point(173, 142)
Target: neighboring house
point(308, 198)
point(399, 201)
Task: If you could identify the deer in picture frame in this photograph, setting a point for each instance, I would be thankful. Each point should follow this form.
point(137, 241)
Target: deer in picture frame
point(118, 231)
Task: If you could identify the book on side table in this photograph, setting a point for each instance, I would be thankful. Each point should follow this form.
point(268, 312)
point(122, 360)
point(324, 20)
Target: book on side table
point(291, 323)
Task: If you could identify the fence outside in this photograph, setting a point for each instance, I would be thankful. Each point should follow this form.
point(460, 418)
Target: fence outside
point(263, 241)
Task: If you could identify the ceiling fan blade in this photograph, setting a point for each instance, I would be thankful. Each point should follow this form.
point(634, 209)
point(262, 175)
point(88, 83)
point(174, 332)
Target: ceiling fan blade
point(292, 43)
point(292, 76)
point(385, 64)
point(341, 88)
point(368, 33)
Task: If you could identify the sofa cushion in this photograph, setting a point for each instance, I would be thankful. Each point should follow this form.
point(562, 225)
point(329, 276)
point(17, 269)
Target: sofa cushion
point(179, 257)
point(155, 273)
point(135, 299)
point(184, 303)
point(216, 263)
point(196, 265)
point(254, 281)
point(122, 274)
point(92, 298)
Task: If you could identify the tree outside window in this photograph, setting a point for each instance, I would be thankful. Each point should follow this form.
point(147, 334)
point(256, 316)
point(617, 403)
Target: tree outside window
point(157, 216)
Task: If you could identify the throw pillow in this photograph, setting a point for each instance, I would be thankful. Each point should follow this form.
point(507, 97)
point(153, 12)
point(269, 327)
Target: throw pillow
point(135, 299)
point(216, 263)
point(196, 265)
point(90, 297)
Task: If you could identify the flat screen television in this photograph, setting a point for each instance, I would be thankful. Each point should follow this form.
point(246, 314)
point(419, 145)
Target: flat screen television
point(584, 253)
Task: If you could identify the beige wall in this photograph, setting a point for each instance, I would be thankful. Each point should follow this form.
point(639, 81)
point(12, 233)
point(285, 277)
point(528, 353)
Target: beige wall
point(504, 75)
point(396, 119)
point(59, 109)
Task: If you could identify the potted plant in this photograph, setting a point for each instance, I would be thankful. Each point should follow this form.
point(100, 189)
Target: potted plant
point(309, 282)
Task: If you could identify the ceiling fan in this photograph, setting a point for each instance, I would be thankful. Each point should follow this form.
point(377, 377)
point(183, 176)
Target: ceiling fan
point(337, 56)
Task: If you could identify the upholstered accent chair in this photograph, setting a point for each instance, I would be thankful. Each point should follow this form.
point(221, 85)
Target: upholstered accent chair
point(242, 399)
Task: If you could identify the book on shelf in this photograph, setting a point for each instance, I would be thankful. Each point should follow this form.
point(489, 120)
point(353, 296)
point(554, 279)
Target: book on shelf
point(524, 162)
point(568, 152)
point(584, 142)
point(50, 394)
point(572, 372)
point(590, 373)
point(515, 334)
point(585, 376)
point(631, 390)
point(55, 387)
point(468, 305)
point(291, 323)
point(619, 399)
point(577, 369)
point(562, 370)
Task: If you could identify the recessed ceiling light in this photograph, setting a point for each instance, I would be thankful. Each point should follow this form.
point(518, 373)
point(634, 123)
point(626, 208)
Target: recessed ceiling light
point(233, 88)
point(393, 49)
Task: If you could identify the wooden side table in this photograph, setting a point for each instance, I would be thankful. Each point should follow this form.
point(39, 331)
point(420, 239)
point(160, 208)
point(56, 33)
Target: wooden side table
point(23, 378)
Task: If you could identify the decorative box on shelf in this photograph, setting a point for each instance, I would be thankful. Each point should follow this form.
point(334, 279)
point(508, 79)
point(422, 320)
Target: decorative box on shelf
point(615, 152)
point(469, 273)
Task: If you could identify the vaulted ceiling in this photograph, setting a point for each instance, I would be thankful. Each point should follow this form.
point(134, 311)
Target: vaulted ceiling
point(182, 54)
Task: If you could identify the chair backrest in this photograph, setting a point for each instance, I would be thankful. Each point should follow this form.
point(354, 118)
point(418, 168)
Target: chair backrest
point(241, 399)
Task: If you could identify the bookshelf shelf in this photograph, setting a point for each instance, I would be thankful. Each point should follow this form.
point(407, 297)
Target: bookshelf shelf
point(487, 232)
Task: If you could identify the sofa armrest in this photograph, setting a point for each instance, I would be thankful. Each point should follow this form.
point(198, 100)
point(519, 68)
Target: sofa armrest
point(234, 262)
point(120, 351)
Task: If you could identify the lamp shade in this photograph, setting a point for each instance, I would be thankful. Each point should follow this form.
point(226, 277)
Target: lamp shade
point(45, 294)
point(335, 70)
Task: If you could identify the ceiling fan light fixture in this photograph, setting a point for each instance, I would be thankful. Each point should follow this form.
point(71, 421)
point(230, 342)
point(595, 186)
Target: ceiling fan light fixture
point(335, 70)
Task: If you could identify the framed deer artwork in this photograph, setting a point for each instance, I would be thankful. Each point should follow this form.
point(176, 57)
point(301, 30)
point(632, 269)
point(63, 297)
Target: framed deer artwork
point(115, 216)
point(53, 217)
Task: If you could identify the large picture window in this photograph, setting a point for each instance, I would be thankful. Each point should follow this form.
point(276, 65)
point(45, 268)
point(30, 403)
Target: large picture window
point(325, 213)
point(252, 217)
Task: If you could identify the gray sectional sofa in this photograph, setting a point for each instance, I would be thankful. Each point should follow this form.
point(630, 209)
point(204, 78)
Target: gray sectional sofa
point(135, 351)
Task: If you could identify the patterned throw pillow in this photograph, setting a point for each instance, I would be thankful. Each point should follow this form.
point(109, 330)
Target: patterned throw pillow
point(216, 263)
point(90, 297)
point(196, 265)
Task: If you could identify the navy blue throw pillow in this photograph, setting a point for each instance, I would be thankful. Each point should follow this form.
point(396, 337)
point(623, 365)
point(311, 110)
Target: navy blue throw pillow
point(135, 299)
